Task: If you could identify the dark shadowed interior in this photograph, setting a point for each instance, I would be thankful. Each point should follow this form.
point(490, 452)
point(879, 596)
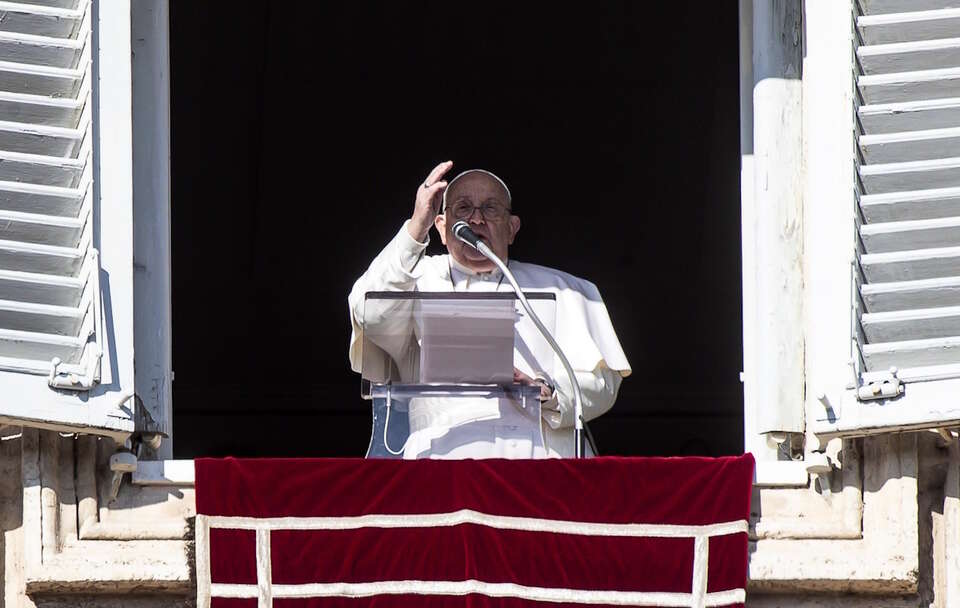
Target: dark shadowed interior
point(300, 132)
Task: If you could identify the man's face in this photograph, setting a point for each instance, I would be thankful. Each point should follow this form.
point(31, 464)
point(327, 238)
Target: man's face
point(471, 198)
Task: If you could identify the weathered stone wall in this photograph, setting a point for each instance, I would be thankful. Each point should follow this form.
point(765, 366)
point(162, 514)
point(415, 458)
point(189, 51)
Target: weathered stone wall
point(68, 542)
point(11, 507)
point(884, 535)
point(107, 601)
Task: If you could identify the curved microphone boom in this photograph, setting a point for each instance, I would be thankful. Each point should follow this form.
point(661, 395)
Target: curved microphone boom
point(463, 232)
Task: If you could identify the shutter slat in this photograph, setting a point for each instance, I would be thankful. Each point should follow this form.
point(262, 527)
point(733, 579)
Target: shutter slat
point(44, 259)
point(911, 265)
point(68, 4)
point(904, 56)
point(915, 234)
point(916, 204)
point(40, 229)
point(39, 198)
point(906, 116)
point(912, 175)
point(40, 139)
point(40, 50)
point(38, 80)
point(39, 20)
point(928, 144)
point(880, 7)
point(40, 289)
point(909, 26)
point(40, 110)
point(912, 353)
point(903, 295)
point(900, 87)
point(918, 324)
point(43, 347)
point(41, 318)
point(35, 169)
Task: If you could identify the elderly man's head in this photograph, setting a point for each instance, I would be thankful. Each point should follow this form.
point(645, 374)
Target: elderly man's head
point(483, 200)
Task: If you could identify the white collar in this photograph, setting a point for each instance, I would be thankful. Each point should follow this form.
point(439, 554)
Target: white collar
point(459, 271)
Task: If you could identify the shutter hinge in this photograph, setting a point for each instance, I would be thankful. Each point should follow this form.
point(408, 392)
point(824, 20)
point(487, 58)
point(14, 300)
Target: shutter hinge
point(93, 352)
point(888, 387)
point(73, 381)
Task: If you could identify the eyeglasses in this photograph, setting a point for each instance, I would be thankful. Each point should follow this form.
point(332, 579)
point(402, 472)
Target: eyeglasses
point(462, 210)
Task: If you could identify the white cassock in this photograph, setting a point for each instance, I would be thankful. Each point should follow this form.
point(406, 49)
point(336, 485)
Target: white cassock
point(496, 428)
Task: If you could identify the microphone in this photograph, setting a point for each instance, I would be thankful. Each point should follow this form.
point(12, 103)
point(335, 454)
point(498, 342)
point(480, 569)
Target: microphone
point(463, 232)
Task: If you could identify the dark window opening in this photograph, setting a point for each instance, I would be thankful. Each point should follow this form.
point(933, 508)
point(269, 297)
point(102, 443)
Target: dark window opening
point(299, 136)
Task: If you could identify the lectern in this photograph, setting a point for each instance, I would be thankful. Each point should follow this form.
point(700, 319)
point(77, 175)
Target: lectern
point(439, 370)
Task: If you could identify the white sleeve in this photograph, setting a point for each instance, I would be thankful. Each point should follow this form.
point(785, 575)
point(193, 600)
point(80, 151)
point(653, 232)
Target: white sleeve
point(394, 269)
point(598, 387)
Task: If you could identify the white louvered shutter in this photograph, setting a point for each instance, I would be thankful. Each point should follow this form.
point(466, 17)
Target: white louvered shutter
point(907, 275)
point(55, 355)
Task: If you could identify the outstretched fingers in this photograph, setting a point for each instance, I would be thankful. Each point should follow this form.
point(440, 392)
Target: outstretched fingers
point(438, 172)
point(427, 202)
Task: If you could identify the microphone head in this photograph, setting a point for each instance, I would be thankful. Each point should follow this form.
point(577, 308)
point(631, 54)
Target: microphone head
point(463, 232)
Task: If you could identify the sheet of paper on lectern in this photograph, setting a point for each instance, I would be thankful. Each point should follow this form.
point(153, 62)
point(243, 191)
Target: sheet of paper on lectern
point(466, 341)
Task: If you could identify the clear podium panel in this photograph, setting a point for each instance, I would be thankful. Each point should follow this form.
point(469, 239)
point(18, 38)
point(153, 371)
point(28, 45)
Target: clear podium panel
point(449, 370)
point(424, 338)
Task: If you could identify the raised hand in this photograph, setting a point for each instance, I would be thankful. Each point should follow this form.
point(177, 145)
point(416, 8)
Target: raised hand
point(427, 203)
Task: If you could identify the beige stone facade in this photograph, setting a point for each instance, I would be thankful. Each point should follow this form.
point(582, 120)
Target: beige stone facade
point(67, 543)
point(880, 530)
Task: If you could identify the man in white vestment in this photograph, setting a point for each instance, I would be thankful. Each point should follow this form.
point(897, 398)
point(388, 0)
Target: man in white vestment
point(490, 428)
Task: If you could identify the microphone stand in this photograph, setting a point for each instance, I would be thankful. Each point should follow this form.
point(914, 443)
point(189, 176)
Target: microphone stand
point(578, 436)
